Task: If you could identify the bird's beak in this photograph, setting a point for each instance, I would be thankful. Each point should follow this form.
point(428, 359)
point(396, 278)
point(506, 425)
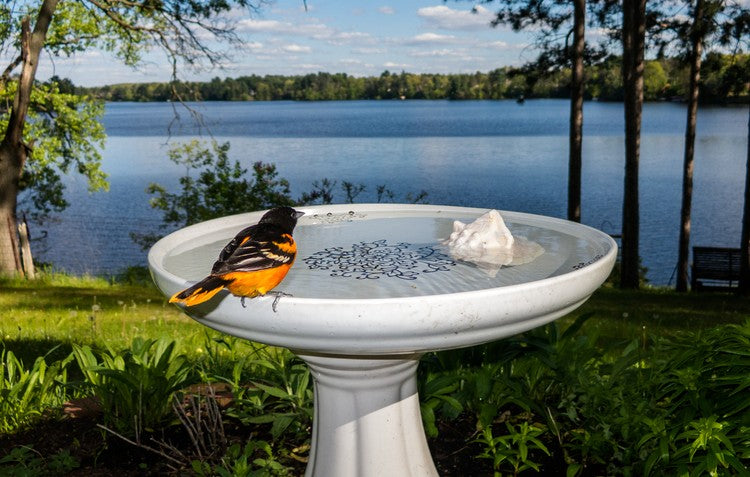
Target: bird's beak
point(298, 214)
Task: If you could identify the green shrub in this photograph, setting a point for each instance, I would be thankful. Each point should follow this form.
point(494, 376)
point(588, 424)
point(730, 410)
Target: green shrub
point(648, 406)
point(25, 394)
point(256, 459)
point(26, 462)
point(135, 385)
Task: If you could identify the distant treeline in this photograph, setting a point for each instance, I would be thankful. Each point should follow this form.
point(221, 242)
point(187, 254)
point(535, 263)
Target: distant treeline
point(724, 78)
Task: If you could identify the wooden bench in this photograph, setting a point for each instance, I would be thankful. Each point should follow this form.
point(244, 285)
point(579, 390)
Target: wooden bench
point(715, 268)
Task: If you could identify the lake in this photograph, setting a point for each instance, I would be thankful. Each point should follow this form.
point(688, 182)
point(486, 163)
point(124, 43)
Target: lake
point(488, 154)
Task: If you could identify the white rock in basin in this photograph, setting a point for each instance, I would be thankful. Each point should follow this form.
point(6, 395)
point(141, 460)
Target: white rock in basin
point(488, 243)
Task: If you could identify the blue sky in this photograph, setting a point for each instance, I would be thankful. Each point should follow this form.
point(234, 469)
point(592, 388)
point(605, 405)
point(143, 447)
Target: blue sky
point(361, 38)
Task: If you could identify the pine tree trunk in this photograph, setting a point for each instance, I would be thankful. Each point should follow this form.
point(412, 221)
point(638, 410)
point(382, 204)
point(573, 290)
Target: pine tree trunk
point(576, 112)
point(13, 150)
point(633, 40)
point(687, 171)
point(744, 288)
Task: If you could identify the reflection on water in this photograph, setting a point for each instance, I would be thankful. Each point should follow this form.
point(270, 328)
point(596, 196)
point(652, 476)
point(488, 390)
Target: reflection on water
point(396, 257)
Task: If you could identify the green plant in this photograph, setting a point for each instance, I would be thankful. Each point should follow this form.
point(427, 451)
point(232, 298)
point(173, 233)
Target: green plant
point(216, 190)
point(226, 359)
point(282, 395)
point(24, 461)
point(703, 391)
point(135, 385)
point(513, 448)
point(255, 459)
point(26, 393)
point(436, 391)
point(709, 447)
point(641, 406)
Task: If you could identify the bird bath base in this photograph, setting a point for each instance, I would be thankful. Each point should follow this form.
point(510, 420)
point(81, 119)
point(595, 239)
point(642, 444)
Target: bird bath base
point(367, 420)
point(373, 290)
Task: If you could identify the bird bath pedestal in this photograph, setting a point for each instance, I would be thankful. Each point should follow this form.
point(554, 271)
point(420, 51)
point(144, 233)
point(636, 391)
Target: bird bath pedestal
point(373, 289)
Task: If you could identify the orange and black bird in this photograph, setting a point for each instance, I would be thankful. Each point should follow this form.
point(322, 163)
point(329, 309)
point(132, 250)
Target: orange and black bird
point(253, 263)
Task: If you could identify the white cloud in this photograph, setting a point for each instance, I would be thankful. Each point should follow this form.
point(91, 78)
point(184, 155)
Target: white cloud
point(386, 10)
point(253, 25)
point(294, 48)
point(442, 53)
point(431, 38)
point(344, 37)
point(446, 18)
point(392, 65)
point(253, 46)
point(497, 45)
point(310, 29)
point(368, 50)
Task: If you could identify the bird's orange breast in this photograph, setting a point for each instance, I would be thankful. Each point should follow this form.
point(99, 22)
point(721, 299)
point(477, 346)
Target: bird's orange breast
point(256, 283)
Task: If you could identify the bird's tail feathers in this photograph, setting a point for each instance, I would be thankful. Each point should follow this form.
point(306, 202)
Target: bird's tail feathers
point(200, 292)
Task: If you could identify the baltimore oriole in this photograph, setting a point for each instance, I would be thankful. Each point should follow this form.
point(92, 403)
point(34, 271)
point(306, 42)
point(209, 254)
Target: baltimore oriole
point(253, 263)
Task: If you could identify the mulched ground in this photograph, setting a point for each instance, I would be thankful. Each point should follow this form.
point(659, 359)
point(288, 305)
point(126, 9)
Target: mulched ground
point(103, 454)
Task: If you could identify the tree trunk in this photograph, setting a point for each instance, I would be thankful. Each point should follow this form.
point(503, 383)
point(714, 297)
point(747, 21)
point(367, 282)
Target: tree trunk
point(687, 172)
point(10, 262)
point(576, 112)
point(633, 42)
point(13, 151)
point(744, 287)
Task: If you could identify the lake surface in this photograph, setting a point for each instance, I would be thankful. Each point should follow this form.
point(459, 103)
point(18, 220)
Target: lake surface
point(488, 154)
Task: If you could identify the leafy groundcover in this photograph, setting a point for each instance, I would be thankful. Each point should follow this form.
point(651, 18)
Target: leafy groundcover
point(559, 400)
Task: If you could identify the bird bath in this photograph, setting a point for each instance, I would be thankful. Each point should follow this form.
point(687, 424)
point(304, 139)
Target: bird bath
point(373, 290)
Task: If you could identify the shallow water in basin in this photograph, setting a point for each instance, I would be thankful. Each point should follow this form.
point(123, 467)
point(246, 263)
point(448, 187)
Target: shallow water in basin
point(358, 256)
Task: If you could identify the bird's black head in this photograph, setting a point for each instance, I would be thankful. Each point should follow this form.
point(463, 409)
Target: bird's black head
point(284, 217)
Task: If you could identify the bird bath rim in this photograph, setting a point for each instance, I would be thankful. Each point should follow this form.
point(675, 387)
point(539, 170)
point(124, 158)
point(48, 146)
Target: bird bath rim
point(159, 249)
point(388, 326)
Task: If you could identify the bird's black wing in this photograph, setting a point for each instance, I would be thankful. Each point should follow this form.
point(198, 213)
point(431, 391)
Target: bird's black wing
point(228, 250)
point(257, 247)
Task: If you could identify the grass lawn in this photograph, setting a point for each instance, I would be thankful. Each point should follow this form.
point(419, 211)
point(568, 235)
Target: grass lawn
point(625, 314)
point(60, 310)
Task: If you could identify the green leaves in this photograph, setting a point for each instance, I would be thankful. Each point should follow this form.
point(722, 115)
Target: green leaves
point(26, 393)
point(435, 392)
point(136, 385)
point(513, 448)
point(213, 186)
point(646, 406)
point(256, 459)
point(284, 398)
point(65, 135)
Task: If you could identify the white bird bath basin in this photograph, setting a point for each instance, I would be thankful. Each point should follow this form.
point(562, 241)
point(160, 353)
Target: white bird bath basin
point(374, 289)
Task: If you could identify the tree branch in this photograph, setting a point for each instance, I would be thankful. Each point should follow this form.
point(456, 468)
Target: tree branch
point(12, 66)
point(31, 47)
point(119, 20)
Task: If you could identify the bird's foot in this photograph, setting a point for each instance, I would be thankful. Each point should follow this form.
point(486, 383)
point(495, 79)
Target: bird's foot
point(242, 300)
point(278, 295)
